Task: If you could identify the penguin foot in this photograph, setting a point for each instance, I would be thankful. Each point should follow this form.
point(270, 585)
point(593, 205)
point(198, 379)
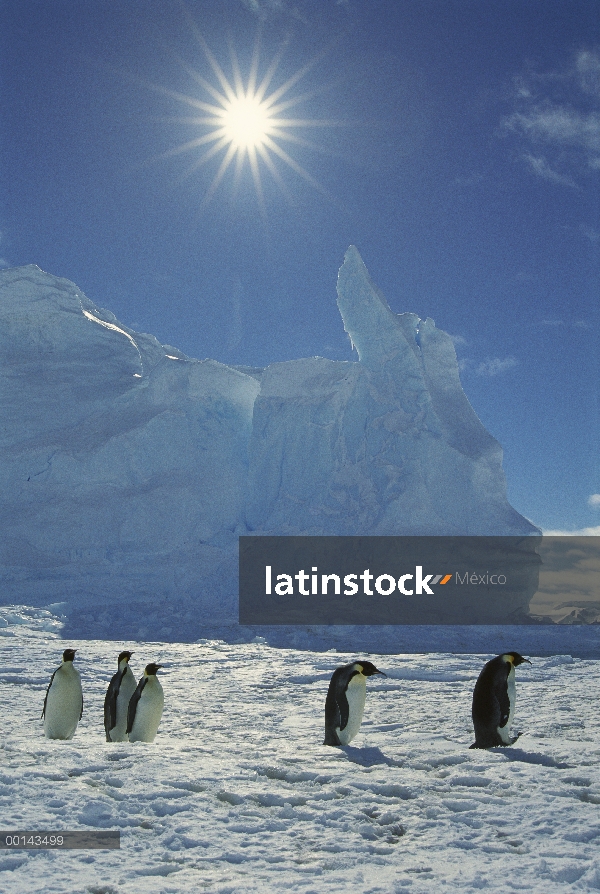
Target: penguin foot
point(508, 744)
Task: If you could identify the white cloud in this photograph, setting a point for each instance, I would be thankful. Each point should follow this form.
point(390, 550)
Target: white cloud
point(576, 324)
point(265, 8)
point(262, 6)
point(588, 69)
point(560, 110)
point(594, 500)
point(589, 233)
point(495, 366)
point(541, 167)
point(581, 532)
point(3, 261)
point(559, 125)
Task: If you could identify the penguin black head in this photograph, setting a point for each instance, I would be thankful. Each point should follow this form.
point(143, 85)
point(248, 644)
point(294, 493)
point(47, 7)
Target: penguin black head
point(367, 669)
point(515, 659)
point(150, 669)
point(69, 654)
point(124, 656)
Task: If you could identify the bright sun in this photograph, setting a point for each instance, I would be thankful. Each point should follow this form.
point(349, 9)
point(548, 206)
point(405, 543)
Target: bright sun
point(246, 122)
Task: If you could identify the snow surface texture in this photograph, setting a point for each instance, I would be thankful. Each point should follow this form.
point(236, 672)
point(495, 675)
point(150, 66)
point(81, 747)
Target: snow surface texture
point(237, 795)
point(128, 470)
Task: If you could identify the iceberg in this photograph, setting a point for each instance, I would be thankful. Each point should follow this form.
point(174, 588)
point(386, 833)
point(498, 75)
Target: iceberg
point(128, 470)
point(388, 445)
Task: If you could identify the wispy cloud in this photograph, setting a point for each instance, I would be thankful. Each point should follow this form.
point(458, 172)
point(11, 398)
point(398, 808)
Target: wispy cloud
point(560, 111)
point(594, 501)
point(300, 10)
point(590, 233)
point(496, 366)
point(559, 125)
point(3, 261)
point(261, 7)
point(541, 167)
point(265, 9)
point(588, 70)
point(575, 324)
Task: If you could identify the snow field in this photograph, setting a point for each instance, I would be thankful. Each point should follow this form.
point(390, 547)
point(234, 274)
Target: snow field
point(237, 794)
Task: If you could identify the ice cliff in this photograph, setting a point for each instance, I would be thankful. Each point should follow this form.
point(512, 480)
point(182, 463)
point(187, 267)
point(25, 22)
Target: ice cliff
point(388, 445)
point(128, 470)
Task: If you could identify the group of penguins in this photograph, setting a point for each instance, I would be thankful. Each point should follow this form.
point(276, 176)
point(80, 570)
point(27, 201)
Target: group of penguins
point(492, 711)
point(133, 711)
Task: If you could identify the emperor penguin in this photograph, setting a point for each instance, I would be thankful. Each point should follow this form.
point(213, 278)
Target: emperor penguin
point(63, 704)
point(116, 703)
point(345, 701)
point(145, 707)
point(494, 701)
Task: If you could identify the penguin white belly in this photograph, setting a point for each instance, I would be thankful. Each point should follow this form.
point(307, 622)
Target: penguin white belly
point(128, 686)
point(148, 712)
point(356, 694)
point(63, 704)
point(504, 731)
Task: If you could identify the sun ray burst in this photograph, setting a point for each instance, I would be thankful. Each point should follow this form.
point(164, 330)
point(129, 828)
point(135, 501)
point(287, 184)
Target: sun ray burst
point(246, 119)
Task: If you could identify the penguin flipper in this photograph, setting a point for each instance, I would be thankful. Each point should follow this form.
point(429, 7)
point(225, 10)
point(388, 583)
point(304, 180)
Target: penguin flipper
point(133, 703)
point(46, 696)
point(342, 702)
point(344, 709)
point(332, 709)
point(110, 704)
point(502, 696)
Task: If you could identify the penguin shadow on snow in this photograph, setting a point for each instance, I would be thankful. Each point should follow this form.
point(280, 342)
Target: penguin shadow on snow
point(530, 757)
point(369, 756)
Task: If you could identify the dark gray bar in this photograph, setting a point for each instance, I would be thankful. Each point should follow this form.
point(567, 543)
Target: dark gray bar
point(59, 840)
point(419, 580)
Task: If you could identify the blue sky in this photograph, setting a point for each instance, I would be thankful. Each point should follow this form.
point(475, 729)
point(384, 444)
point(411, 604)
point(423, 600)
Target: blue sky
point(464, 164)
